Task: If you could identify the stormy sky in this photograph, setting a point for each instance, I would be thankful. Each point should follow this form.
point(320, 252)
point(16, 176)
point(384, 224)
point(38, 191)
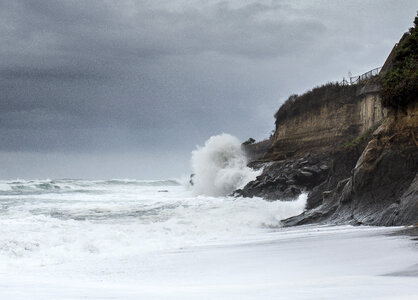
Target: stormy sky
point(127, 89)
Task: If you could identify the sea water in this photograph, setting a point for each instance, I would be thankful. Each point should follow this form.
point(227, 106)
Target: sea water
point(53, 222)
point(130, 239)
point(169, 239)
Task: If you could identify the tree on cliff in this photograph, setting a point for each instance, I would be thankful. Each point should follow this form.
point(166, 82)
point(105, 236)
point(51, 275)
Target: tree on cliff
point(400, 83)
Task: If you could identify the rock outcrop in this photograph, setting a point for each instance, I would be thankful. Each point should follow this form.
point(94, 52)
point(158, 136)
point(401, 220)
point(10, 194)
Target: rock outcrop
point(353, 149)
point(383, 187)
point(287, 179)
point(307, 152)
point(371, 182)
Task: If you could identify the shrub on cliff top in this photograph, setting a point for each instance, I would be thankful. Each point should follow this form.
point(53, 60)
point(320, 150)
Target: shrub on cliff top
point(400, 83)
point(312, 99)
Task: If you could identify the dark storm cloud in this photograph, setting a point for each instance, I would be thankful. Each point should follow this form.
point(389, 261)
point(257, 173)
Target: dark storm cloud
point(52, 47)
point(117, 31)
point(111, 76)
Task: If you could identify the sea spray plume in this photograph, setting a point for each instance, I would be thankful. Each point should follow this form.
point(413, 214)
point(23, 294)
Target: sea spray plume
point(220, 167)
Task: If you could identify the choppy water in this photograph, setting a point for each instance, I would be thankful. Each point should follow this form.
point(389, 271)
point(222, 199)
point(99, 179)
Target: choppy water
point(128, 239)
point(44, 222)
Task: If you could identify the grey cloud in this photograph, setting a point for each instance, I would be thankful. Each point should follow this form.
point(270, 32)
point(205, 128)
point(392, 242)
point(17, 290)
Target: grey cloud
point(116, 76)
point(100, 31)
point(59, 74)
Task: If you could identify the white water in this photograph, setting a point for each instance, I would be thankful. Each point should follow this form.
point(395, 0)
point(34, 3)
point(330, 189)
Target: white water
point(220, 167)
point(72, 239)
point(52, 222)
point(129, 239)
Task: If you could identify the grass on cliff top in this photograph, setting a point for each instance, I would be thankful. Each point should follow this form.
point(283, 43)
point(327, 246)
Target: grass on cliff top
point(297, 104)
point(400, 83)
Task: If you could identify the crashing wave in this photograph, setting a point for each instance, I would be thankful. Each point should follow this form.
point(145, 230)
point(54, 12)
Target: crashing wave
point(220, 167)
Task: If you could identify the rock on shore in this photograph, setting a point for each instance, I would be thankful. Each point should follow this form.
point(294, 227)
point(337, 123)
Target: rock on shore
point(383, 187)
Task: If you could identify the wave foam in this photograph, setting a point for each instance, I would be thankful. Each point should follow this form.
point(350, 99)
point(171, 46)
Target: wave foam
point(47, 186)
point(62, 229)
point(220, 167)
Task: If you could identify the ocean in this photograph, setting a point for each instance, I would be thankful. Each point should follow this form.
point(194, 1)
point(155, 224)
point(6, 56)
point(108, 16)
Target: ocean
point(132, 239)
point(187, 239)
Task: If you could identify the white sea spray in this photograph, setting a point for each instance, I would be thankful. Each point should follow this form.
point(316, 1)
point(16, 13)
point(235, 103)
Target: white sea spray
point(220, 166)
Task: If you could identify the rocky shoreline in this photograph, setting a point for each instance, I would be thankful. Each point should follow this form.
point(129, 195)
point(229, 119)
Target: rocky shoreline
point(374, 186)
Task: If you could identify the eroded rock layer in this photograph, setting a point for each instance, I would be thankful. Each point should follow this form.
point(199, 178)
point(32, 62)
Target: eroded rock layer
point(383, 187)
point(353, 173)
point(342, 116)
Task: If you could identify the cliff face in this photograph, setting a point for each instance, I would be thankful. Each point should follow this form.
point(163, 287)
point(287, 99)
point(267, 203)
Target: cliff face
point(340, 119)
point(307, 151)
point(373, 180)
point(383, 187)
point(326, 143)
point(385, 177)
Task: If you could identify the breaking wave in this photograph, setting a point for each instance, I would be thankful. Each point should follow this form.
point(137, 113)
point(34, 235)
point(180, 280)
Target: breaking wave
point(53, 229)
point(26, 187)
point(220, 166)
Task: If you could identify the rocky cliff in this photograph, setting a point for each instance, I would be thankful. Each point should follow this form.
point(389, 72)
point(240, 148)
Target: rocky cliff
point(353, 148)
point(310, 143)
point(342, 114)
point(383, 186)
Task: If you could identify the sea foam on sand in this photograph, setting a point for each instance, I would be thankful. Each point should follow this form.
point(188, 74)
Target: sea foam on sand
point(293, 263)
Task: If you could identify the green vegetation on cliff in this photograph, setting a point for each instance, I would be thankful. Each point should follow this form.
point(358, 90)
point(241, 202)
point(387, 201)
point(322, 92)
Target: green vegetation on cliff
point(315, 98)
point(362, 140)
point(400, 83)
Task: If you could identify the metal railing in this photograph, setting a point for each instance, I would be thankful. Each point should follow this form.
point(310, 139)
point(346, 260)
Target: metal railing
point(367, 75)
